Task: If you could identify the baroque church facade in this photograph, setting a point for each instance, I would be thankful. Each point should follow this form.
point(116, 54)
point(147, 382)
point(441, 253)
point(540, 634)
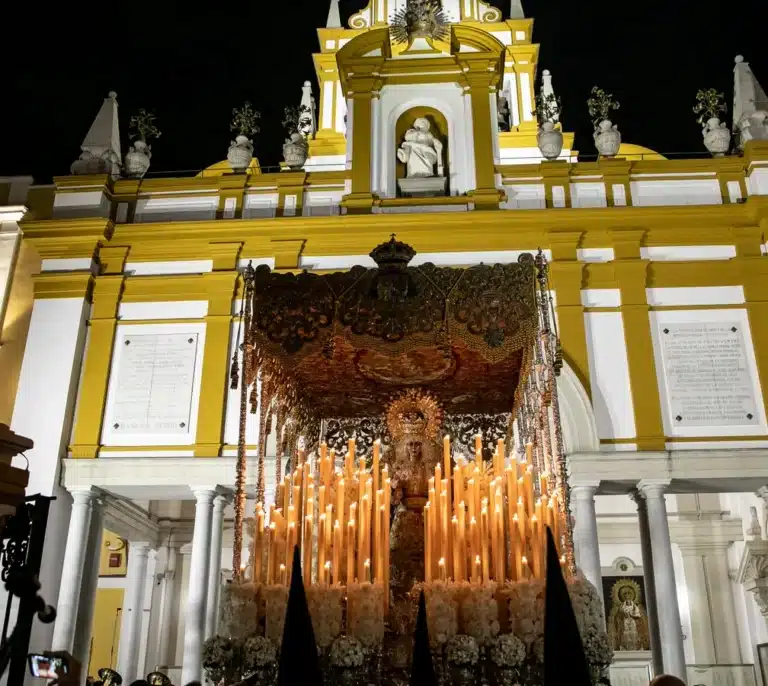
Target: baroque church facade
point(658, 277)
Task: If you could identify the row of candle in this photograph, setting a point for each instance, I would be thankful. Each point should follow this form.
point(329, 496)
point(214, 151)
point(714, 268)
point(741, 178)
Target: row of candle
point(485, 524)
point(339, 519)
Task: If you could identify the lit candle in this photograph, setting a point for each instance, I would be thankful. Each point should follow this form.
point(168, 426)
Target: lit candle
point(474, 539)
point(326, 574)
point(535, 552)
point(462, 543)
point(350, 552)
point(289, 544)
point(543, 484)
point(378, 562)
point(445, 531)
point(336, 552)
point(471, 499)
point(367, 571)
point(427, 544)
point(376, 457)
point(517, 548)
point(455, 549)
point(387, 523)
point(271, 554)
point(339, 499)
point(529, 497)
point(328, 539)
point(526, 574)
point(283, 575)
point(458, 485)
point(307, 550)
point(321, 548)
point(447, 456)
point(484, 540)
point(478, 567)
point(441, 568)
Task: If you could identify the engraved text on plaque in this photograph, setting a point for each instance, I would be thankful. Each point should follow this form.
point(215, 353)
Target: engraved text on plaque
point(708, 376)
point(155, 380)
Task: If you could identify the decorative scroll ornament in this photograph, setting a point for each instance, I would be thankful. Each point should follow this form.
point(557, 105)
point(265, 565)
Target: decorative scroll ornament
point(419, 19)
point(414, 413)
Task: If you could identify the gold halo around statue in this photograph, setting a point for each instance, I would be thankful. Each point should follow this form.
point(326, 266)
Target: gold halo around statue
point(414, 413)
point(619, 586)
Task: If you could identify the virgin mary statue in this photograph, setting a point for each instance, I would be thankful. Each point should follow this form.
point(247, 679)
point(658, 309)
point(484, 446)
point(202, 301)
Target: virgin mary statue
point(414, 421)
point(421, 151)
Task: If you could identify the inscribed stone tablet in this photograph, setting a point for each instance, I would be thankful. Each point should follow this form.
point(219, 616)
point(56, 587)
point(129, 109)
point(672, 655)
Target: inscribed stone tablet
point(708, 377)
point(155, 382)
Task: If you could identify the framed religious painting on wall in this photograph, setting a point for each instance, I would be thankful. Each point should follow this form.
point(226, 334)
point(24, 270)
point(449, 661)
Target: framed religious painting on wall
point(625, 612)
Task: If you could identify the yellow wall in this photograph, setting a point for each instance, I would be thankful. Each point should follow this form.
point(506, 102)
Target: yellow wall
point(106, 629)
point(15, 326)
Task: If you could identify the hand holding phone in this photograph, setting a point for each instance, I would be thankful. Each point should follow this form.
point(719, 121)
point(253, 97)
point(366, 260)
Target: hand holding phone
point(48, 666)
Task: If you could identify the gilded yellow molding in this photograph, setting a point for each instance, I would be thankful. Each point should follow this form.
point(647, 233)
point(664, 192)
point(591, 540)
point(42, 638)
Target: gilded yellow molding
point(62, 285)
point(86, 435)
point(631, 276)
point(215, 377)
point(67, 238)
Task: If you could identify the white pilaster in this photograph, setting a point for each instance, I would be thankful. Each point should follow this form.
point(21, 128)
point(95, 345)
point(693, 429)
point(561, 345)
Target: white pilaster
point(670, 629)
point(90, 582)
point(214, 566)
point(72, 571)
point(714, 630)
point(133, 611)
point(198, 586)
point(587, 546)
point(47, 387)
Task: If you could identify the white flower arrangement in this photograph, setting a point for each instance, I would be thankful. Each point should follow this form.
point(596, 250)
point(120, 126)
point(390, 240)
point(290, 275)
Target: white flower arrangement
point(508, 651)
point(258, 652)
point(479, 612)
point(347, 652)
point(326, 606)
point(276, 600)
point(442, 611)
point(365, 613)
point(462, 650)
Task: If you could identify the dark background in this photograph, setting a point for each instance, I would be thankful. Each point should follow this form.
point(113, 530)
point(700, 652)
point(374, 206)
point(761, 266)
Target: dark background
point(193, 62)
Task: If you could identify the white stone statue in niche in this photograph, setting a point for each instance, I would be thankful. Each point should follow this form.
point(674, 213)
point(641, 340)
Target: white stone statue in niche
point(421, 152)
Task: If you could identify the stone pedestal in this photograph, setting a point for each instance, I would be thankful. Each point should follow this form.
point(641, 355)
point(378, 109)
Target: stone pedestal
point(423, 186)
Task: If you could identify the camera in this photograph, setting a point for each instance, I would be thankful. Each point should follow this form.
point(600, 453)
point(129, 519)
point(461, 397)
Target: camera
point(48, 666)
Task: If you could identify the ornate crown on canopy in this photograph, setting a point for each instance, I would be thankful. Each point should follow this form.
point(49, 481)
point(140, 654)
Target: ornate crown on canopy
point(414, 413)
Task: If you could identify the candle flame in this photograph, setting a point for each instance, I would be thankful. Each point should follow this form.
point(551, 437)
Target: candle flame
point(477, 559)
point(336, 525)
point(282, 567)
point(515, 518)
point(525, 560)
point(441, 562)
point(327, 565)
point(367, 563)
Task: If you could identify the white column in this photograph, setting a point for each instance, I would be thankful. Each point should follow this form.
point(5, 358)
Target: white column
point(133, 612)
point(84, 627)
point(586, 544)
point(214, 566)
point(650, 583)
point(72, 571)
point(166, 654)
point(714, 630)
point(192, 668)
point(670, 629)
point(376, 135)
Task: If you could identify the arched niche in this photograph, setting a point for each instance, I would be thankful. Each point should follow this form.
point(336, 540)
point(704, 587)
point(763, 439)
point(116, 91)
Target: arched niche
point(438, 127)
point(576, 414)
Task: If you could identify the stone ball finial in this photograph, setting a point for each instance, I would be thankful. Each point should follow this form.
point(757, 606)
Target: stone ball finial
point(739, 59)
point(546, 72)
point(307, 84)
point(112, 95)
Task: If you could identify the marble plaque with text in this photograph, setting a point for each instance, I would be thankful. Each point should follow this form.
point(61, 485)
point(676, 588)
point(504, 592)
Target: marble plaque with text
point(709, 382)
point(155, 382)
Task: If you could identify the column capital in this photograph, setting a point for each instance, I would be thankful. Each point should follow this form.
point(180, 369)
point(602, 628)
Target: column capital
point(139, 547)
point(186, 549)
point(762, 493)
point(204, 494)
point(84, 495)
point(584, 490)
point(653, 488)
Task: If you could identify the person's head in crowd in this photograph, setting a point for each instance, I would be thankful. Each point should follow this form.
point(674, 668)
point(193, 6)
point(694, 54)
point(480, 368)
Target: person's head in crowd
point(667, 680)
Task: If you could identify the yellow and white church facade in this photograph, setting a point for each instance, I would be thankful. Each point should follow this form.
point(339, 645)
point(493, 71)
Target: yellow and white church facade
point(660, 284)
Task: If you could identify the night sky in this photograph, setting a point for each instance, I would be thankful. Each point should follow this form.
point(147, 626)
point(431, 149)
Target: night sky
point(193, 62)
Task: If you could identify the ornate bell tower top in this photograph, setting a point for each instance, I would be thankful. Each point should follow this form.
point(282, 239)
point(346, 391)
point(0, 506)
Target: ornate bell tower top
point(380, 12)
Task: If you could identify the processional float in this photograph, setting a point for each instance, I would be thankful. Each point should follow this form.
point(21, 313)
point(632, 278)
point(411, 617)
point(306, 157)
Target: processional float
point(419, 446)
